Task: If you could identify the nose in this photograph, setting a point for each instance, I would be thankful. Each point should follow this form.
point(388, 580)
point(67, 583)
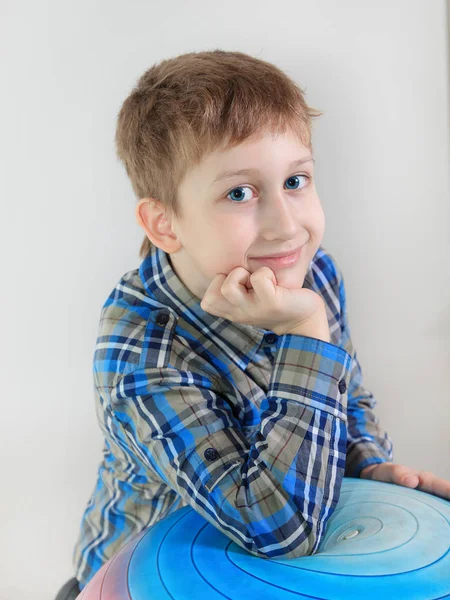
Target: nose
point(279, 216)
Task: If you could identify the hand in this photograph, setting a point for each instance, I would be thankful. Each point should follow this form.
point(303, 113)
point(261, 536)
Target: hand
point(256, 299)
point(401, 475)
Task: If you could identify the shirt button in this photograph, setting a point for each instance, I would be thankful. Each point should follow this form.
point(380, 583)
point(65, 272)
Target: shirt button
point(211, 454)
point(162, 318)
point(270, 338)
point(342, 386)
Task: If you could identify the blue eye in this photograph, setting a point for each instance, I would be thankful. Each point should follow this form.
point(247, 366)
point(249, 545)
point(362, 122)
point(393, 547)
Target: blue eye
point(296, 177)
point(241, 195)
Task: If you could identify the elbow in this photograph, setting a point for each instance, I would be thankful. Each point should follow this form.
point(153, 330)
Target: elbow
point(302, 542)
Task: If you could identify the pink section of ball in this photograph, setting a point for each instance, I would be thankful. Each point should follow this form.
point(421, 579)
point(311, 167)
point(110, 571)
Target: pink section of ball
point(111, 580)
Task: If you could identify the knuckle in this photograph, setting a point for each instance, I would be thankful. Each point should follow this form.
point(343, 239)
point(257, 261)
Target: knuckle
point(426, 474)
point(226, 290)
point(235, 274)
point(208, 307)
point(261, 272)
point(401, 469)
point(266, 272)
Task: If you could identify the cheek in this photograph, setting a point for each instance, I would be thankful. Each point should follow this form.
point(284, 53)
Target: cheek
point(236, 232)
point(227, 232)
point(228, 242)
point(318, 216)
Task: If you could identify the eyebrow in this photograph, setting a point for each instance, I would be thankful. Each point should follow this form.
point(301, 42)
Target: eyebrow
point(228, 174)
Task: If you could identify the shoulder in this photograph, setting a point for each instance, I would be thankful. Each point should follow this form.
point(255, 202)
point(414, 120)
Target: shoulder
point(134, 328)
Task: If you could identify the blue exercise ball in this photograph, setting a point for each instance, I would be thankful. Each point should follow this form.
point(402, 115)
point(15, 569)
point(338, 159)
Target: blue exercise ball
point(382, 541)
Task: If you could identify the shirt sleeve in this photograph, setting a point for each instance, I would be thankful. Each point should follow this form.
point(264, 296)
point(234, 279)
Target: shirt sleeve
point(367, 442)
point(272, 494)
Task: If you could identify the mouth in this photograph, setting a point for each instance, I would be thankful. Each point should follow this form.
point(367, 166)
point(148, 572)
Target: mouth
point(280, 261)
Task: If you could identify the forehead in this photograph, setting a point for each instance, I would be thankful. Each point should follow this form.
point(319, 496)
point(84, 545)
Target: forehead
point(255, 153)
point(260, 141)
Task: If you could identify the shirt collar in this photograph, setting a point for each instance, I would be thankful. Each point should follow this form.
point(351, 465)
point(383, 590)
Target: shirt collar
point(160, 281)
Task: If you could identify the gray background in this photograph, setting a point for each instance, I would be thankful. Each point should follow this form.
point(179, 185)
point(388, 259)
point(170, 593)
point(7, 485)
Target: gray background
point(380, 72)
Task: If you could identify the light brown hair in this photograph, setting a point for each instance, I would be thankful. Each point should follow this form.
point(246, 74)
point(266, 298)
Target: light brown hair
point(185, 107)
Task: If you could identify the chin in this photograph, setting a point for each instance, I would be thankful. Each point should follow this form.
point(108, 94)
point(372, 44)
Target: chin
point(290, 279)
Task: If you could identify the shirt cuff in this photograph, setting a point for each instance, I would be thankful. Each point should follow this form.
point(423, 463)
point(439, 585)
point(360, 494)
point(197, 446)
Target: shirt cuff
point(313, 372)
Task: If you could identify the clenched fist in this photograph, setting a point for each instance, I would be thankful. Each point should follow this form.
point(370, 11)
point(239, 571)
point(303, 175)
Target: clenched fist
point(256, 299)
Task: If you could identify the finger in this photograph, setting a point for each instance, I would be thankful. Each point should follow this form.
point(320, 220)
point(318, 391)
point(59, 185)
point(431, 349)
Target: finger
point(430, 483)
point(402, 475)
point(410, 480)
point(213, 301)
point(421, 480)
point(264, 283)
point(392, 473)
point(235, 289)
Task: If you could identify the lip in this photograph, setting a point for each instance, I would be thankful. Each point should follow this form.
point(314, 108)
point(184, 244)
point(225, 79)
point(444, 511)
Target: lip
point(286, 260)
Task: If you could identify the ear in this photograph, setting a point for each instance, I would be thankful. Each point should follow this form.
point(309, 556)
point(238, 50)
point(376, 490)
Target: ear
point(151, 216)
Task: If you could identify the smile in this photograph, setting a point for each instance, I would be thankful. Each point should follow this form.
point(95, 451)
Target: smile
point(283, 261)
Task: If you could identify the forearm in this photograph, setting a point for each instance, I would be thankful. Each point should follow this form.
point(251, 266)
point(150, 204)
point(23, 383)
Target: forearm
point(304, 414)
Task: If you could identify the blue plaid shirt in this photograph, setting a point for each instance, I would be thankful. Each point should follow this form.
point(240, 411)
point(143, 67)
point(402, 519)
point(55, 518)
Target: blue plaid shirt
point(254, 431)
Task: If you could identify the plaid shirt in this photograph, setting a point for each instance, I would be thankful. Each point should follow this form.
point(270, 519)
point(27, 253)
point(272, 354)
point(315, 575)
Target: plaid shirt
point(254, 431)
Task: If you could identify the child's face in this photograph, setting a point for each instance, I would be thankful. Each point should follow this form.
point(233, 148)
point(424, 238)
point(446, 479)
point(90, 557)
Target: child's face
point(274, 209)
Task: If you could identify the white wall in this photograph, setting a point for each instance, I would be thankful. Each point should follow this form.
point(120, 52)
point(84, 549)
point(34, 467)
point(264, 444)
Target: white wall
point(379, 70)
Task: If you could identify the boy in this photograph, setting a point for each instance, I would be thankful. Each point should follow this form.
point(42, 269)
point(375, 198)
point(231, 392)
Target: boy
point(227, 380)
